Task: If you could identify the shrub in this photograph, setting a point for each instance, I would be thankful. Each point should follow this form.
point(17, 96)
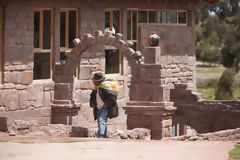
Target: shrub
point(224, 89)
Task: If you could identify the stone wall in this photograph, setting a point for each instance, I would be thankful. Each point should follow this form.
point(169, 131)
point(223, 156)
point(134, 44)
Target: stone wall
point(21, 95)
point(174, 40)
point(207, 116)
point(182, 70)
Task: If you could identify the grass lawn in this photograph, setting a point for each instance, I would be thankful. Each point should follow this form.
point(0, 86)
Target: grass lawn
point(209, 91)
point(212, 72)
point(234, 154)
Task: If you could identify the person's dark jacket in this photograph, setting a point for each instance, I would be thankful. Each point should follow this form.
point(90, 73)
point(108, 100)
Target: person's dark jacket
point(109, 98)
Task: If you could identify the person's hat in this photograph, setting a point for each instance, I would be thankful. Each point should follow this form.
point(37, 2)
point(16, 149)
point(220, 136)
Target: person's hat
point(98, 77)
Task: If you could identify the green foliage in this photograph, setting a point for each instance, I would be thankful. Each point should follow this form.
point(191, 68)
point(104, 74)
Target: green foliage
point(227, 8)
point(211, 25)
point(207, 49)
point(207, 91)
point(224, 89)
point(201, 11)
point(226, 24)
point(235, 153)
point(231, 49)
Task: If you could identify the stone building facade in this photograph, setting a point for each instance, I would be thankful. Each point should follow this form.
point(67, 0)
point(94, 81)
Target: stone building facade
point(36, 37)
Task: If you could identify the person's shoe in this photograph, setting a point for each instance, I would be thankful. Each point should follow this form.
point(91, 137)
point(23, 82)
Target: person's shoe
point(100, 136)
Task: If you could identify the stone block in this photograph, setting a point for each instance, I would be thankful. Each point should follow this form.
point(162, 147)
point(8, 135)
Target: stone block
point(28, 33)
point(21, 27)
point(102, 64)
point(20, 67)
point(30, 66)
point(152, 55)
point(3, 124)
point(21, 125)
point(191, 61)
point(48, 99)
point(33, 91)
point(63, 87)
point(8, 68)
point(84, 96)
point(10, 100)
point(12, 77)
point(106, 37)
point(164, 60)
point(184, 80)
point(23, 100)
point(94, 61)
point(121, 92)
point(154, 73)
point(84, 61)
point(49, 86)
point(27, 40)
point(11, 40)
point(85, 72)
point(119, 36)
point(1, 97)
point(63, 95)
point(166, 132)
point(8, 85)
point(144, 92)
point(64, 78)
point(159, 93)
point(167, 123)
point(156, 134)
point(40, 102)
point(27, 77)
point(88, 84)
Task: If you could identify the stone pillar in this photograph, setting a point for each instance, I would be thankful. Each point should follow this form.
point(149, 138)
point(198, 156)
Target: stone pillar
point(63, 106)
point(149, 105)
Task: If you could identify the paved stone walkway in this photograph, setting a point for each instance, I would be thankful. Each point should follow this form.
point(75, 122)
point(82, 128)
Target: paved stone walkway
point(102, 149)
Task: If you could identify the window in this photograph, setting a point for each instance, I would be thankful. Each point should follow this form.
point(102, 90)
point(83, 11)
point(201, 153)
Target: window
point(68, 31)
point(172, 17)
point(162, 17)
point(113, 58)
point(152, 17)
point(42, 44)
point(132, 23)
point(112, 61)
point(142, 16)
point(182, 17)
point(136, 17)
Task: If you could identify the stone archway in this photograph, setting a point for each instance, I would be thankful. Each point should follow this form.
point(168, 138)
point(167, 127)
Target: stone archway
point(63, 107)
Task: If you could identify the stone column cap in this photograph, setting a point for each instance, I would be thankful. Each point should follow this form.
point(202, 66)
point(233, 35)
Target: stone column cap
point(156, 106)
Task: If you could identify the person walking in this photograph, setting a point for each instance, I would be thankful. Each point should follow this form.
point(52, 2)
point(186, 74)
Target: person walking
point(103, 100)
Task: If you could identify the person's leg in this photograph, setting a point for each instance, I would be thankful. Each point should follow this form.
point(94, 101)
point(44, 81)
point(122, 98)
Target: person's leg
point(102, 122)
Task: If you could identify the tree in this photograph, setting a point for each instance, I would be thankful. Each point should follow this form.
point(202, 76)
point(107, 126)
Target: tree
point(226, 8)
point(213, 24)
point(207, 49)
point(224, 89)
point(201, 12)
point(231, 49)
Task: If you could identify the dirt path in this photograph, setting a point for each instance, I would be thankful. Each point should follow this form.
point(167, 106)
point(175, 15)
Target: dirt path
point(94, 149)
